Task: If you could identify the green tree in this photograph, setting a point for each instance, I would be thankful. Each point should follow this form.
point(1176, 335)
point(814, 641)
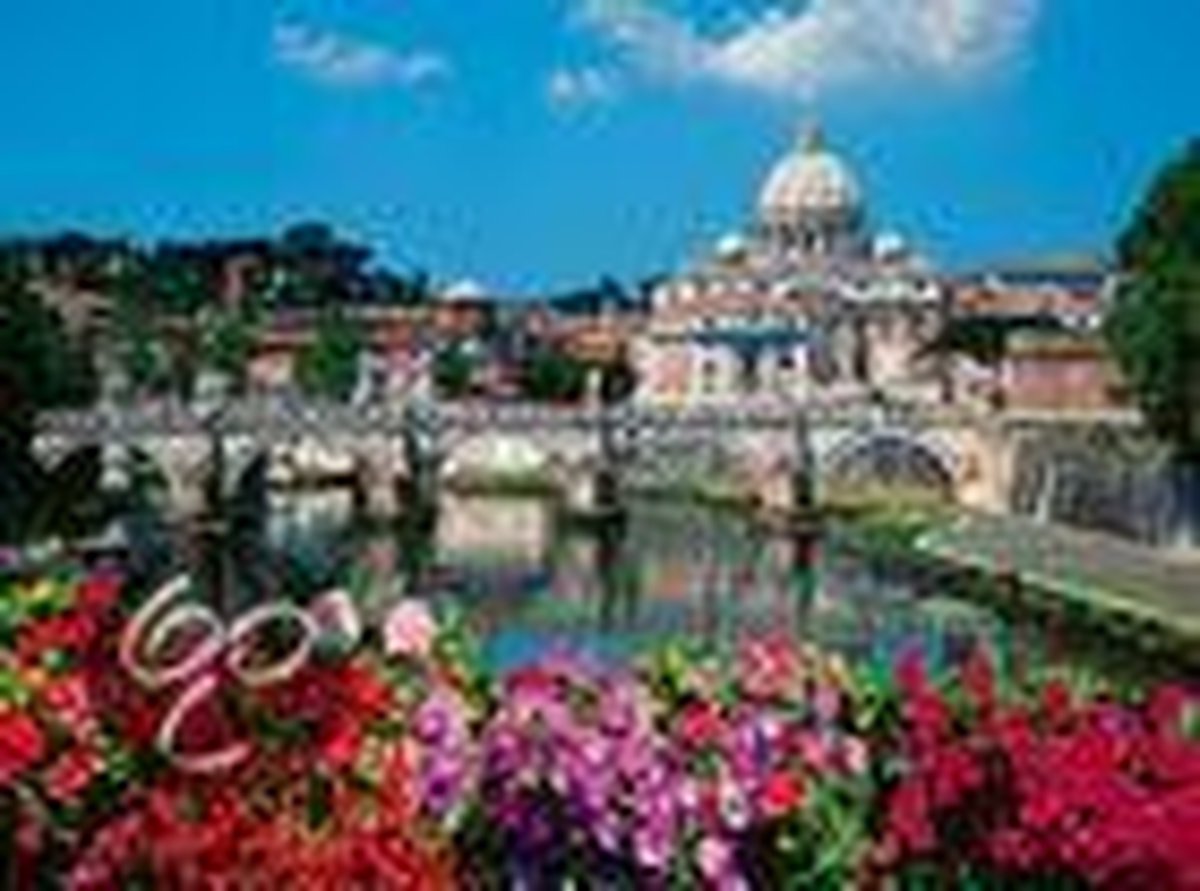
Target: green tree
point(328, 367)
point(40, 368)
point(136, 336)
point(320, 270)
point(550, 375)
point(228, 341)
point(453, 371)
point(618, 381)
point(181, 280)
point(985, 340)
point(389, 289)
point(1154, 323)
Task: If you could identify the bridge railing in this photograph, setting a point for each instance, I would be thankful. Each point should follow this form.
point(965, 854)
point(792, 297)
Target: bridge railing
point(284, 417)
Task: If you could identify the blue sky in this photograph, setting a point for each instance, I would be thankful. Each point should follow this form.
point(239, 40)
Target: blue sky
point(540, 143)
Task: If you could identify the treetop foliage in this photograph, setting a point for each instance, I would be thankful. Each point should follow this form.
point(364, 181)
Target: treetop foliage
point(1154, 326)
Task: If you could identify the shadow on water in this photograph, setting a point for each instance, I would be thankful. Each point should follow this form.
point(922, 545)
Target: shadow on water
point(659, 572)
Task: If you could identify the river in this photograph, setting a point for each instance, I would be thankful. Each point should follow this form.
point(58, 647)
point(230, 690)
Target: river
point(528, 584)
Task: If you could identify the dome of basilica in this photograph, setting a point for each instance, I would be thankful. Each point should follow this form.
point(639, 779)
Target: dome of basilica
point(811, 183)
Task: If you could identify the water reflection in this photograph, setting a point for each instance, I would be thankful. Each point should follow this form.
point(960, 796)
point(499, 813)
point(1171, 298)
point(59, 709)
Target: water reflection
point(528, 583)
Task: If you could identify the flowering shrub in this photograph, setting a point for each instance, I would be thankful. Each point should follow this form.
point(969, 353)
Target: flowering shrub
point(57, 758)
point(297, 748)
point(1065, 792)
point(703, 772)
point(277, 770)
point(326, 836)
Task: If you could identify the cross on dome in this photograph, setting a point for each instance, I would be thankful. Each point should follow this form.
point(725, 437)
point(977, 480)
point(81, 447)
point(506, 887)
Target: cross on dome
point(812, 137)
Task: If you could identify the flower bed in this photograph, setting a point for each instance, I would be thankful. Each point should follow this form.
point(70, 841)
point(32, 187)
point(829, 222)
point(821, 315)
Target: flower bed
point(152, 745)
point(1059, 792)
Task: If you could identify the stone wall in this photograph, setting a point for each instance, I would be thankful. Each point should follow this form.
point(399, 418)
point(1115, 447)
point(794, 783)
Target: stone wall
point(1102, 480)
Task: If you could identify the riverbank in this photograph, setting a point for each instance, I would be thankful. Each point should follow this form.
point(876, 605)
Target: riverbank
point(1142, 594)
point(1083, 583)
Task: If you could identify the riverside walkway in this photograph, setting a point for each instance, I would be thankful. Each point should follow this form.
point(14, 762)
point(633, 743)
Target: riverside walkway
point(1101, 573)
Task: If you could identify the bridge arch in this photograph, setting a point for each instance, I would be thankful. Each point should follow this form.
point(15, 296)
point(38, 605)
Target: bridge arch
point(551, 455)
point(890, 459)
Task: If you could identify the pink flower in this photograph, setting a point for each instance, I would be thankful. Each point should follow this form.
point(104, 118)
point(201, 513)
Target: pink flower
point(855, 756)
point(410, 630)
point(814, 751)
point(337, 618)
point(827, 703)
point(653, 846)
point(734, 808)
point(714, 858)
point(770, 668)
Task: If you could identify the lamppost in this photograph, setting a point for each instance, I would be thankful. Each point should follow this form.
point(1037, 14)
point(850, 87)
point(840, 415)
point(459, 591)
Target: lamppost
point(210, 405)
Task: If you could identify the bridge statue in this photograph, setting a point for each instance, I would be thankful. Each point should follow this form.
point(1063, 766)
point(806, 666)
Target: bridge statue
point(784, 455)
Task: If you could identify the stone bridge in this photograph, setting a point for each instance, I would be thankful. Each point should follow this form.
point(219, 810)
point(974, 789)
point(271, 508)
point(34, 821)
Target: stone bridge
point(783, 455)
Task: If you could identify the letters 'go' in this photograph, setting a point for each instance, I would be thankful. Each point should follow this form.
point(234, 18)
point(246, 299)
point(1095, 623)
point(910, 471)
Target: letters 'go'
point(198, 668)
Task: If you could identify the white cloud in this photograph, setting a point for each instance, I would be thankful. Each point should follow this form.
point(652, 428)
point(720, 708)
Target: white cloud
point(800, 52)
point(340, 60)
point(568, 88)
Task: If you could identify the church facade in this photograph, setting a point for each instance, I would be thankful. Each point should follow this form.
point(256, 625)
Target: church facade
point(809, 301)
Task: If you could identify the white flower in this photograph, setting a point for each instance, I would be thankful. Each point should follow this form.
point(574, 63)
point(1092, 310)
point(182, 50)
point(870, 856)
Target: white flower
point(337, 618)
point(410, 630)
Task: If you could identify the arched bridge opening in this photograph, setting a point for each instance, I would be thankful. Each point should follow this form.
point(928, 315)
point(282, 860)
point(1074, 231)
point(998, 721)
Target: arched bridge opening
point(888, 464)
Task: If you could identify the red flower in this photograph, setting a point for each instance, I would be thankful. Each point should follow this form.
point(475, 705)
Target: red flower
point(781, 793)
point(191, 844)
point(21, 745)
point(70, 702)
point(71, 773)
point(979, 681)
point(98, 594)
point(340, 749)
point(363, 692)
point(1093, 793)
point(700, 725)
point(909, 672)
point(71, 631)
point(1167, 707)
point(397, 798)
point(928, 717)
point(1056, 703)
point(533, 679)
point(910, 825)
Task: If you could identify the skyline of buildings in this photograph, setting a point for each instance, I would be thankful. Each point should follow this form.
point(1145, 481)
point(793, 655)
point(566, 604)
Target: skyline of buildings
point(814, 292)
